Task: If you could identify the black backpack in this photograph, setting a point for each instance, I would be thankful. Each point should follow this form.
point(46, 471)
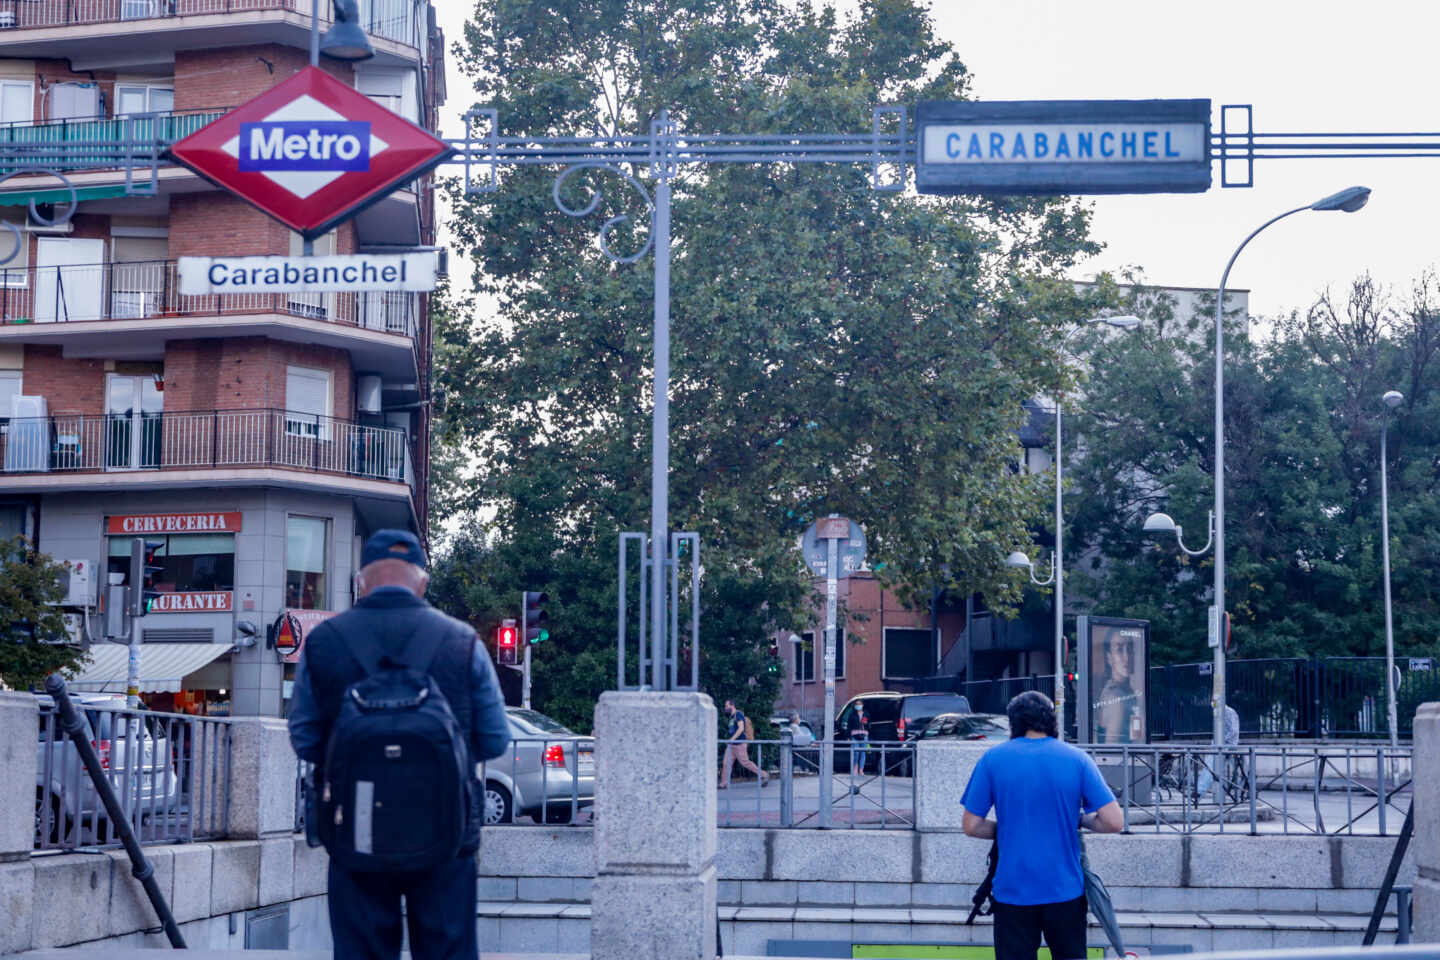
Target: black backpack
point(396, 778)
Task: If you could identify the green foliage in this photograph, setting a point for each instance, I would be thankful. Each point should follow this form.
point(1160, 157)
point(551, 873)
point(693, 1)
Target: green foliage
point(1303, 421)
point(30, 583)
point(833, 349)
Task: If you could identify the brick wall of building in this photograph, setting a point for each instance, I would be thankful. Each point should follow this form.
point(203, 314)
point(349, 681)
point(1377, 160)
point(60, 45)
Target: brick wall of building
point(230, 76)
point(68, 386)
point(247, 373)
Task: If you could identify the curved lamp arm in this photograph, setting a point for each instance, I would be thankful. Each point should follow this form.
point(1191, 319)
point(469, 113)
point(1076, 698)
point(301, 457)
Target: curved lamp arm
point(1208, 541)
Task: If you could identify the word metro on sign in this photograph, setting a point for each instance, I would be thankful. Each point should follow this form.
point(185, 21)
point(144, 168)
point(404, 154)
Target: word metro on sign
point(305, 145)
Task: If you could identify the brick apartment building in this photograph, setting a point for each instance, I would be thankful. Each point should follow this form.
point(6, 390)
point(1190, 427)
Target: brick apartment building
point(261, 437)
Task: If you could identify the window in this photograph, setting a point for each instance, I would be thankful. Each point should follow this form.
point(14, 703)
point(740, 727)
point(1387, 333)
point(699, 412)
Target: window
point(307, 402)
point(12, 521)
point(135, 98)
point(909, 653)
point(16, 272)
point(188, 562)
point(317, 306)
point(74, 101)
point(17, 101)
point(9, 390)
point(305, 556)
point(806, 659)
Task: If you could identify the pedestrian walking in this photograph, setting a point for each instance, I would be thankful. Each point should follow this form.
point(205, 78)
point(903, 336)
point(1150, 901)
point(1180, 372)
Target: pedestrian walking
point(1042, 791)
point(857, 728)
point(390, 695)
point(1206, 778)
point(737, 738)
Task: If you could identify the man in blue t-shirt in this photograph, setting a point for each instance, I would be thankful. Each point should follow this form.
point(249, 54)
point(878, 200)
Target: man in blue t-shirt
point(1038, 787)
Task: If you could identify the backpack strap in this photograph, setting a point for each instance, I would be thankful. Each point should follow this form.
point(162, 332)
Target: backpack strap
point(420, 647)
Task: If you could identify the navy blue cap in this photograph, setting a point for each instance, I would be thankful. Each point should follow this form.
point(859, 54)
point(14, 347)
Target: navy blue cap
point(393, 545)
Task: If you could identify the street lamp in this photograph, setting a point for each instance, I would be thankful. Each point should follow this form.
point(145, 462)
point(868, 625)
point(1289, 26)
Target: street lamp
point(1018, 559)
point(1162, 523)
point(1347, 201)
point(1391, 400)
point(345, 40)
point(1123, 322)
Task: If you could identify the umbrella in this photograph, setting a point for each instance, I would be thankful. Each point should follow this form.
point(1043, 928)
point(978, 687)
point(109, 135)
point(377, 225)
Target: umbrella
point(1098, 897)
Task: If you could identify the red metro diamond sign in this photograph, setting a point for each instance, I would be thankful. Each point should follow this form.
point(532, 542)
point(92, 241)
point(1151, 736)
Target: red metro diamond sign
point(311, 152)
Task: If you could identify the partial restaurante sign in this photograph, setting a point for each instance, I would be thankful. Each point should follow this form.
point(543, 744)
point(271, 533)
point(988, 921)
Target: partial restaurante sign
point(1063, 146)
point(213, 601)
point(174, 523)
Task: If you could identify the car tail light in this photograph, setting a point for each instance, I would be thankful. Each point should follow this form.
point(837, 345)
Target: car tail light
point(555, 755)
point(102, 749)
point(900, 728)
point(976, 736)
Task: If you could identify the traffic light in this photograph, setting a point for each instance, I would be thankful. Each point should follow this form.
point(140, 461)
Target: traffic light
point(534, 619)
point(142, 575)
point(507, 649)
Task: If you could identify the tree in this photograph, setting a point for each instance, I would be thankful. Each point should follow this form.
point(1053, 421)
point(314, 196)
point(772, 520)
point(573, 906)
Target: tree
point(33, 638)
point(834, 349)
point(1302, 420)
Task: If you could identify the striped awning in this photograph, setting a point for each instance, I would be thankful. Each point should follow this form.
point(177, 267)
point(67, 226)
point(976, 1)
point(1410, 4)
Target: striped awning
point(163, 666)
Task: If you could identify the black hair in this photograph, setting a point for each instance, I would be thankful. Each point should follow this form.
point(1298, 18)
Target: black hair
point(1032, 710)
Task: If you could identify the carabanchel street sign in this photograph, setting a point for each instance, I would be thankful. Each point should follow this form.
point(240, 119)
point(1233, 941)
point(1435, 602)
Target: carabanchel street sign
point(311, 152)
point(1063, 146)
point(204, 276)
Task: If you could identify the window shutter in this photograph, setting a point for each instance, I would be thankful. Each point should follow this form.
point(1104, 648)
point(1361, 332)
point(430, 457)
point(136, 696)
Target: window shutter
point(307, 391)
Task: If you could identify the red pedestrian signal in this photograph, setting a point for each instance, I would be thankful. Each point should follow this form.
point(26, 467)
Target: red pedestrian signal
point(506, 644)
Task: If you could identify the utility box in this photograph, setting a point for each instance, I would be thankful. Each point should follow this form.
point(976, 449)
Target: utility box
point(117, 612)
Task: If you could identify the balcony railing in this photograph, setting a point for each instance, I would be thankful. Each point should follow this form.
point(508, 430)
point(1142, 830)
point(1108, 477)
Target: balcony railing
point(391, 19)
point(209, 439)
point(96, 142)
point(149, 289)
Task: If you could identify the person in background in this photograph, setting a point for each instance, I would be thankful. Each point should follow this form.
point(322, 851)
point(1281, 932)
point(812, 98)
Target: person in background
point(800, 734)
point(1206, 779)
point(737, 736)
point(1042, 792)
point(858, 728)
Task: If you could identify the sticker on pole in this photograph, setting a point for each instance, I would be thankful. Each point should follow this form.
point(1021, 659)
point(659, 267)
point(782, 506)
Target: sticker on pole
point(850, 550)
point(311, 152)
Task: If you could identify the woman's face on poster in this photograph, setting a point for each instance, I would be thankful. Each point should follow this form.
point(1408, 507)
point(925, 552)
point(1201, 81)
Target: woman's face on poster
point(1118, 658)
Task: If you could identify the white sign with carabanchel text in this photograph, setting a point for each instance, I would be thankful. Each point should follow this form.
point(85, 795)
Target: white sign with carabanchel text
point(350, 273)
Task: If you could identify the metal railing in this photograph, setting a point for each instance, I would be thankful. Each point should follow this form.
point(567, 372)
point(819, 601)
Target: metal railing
point(871, 787)
point(1304, 789)
point(178, 791)
point(150, 289)
point(59, 144)
point(391, 19)
point(215, 438)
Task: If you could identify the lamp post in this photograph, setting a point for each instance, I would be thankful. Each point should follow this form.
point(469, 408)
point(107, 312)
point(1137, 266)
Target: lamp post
point(1348, 201)
point(1391, 400)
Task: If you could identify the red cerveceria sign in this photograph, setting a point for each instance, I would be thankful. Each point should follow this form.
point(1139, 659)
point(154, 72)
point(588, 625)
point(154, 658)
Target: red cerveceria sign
point(311, 152)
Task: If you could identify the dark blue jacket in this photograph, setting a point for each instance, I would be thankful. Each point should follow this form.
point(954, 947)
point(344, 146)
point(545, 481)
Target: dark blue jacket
point(461, 669)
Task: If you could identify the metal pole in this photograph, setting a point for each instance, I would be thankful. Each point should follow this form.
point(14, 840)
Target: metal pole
point(525, 679)
point(1059, 577)
point(1391, 714)
point(137, 586)
point(827, 750)
point(315, 34)
point(660, 440)
point(1218, 695)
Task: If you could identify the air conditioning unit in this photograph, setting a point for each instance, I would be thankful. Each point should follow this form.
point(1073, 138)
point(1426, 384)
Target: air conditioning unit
point(367, 393)
point(78, 592)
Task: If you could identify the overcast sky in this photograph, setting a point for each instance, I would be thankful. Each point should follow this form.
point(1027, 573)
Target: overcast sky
point(1322, 65)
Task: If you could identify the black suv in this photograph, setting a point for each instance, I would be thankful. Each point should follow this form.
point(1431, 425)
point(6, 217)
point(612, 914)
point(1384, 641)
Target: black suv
point(894, 718)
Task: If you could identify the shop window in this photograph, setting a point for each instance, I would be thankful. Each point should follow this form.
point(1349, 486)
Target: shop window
point(909, 653)
point(190, 562)
point(307, 402)
point(806, 656)
point(305, 562)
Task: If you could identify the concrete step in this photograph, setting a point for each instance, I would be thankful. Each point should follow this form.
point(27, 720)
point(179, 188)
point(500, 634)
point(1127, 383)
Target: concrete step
point(531, 928)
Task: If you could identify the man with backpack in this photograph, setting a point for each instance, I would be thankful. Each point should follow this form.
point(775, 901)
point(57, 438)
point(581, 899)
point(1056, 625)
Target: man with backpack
point(740, 733)
point(1042, 791)
point(396, 704)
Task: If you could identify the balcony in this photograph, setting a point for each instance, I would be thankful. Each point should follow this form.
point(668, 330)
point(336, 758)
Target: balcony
point(96, 142)
point(120, 310)
point(154, 29)
point(212, 448)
